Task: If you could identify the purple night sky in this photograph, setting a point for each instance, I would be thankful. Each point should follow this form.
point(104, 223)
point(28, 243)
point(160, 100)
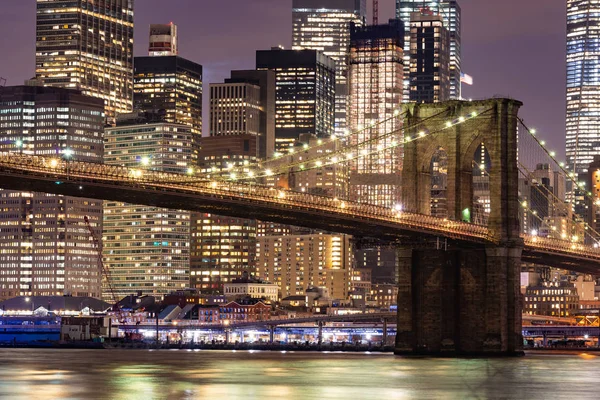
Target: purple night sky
point(514, 48)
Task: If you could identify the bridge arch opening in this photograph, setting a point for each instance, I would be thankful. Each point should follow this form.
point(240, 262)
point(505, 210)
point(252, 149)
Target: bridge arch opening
point(439, 183)
point(481, 202)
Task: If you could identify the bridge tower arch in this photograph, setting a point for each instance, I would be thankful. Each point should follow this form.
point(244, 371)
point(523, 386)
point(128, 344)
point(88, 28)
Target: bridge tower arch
point(463, 298)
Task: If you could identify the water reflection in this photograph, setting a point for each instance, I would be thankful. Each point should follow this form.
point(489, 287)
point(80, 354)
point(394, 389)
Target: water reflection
point(125, 374)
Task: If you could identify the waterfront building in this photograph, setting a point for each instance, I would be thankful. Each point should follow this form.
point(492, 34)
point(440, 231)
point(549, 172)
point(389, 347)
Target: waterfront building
point(147, 249)
point(248, 286)
point(429, 58)
point(171, 86)
point(87, 45)
point(450, 12)
point(324, 25)
point(376, 81)
point(45, 246)
point(163, 40)
point(298, 262)
point(305, 87)
point(552, 299)
point(583, 83)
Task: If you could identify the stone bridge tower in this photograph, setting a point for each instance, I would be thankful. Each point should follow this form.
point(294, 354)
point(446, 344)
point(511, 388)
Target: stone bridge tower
point(462, 298)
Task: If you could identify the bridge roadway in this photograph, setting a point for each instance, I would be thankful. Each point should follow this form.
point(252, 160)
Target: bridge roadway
point(98, 181)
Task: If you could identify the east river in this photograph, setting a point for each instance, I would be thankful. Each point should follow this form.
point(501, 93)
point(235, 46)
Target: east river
point(180, 374)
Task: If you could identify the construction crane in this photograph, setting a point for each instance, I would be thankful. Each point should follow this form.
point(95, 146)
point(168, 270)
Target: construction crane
point(105, 271)
point(375, 12)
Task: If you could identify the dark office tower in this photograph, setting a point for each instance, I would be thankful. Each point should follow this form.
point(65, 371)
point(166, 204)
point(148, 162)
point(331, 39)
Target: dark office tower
point(305, 99)
point(324, 25)
point(376, 83)
point(170, 85)
point(429, 58)
point(265, 81)
point(45, 247)
point(451, 15)
point(87, 45)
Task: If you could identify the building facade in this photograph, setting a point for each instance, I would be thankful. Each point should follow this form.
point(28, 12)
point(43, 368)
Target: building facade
point(305, 101)
point(45, 246)
point(223, 248)
point(552, 299)
point(172, 86)
point(451, 15)
point(298, 262)
point(147, 249)
point(583, 83)
point(87, 45)
point(429, 58)
point(324, 25)
point(376, 84)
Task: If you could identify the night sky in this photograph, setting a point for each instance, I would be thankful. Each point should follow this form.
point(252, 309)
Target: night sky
point(513, 48)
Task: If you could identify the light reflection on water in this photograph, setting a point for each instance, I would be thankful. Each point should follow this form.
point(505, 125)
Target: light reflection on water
point(131, 374)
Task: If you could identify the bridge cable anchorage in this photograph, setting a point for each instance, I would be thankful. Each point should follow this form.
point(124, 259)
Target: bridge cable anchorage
point(347, 154)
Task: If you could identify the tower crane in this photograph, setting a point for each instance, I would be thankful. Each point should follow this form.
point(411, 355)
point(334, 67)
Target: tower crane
point(375, 12)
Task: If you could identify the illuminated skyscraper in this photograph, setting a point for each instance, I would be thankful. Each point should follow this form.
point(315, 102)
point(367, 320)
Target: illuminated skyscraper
point(324, 25)
point(147, 249)
point(163, 40)
point(45, 246)
point(171, 86)
point(305, 99)
point(451, 15)
point(583, 83)
point(429, 58)
point(376, 84)
point(87, 45)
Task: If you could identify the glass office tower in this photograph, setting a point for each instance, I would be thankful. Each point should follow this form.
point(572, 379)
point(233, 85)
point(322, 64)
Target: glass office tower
point(87, 45)
point(451, 14)
point(324, 25)
point(583, 83)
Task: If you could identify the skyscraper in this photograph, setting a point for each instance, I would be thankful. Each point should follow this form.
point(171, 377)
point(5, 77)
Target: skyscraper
point(324, 25)
point(245, 104)
point(451, 15)
point(429, 58)
point(305, 101)
point(222, 247)
point(87, 45)
point(376, 84)
point(172, 86)
point(147, 249)
point(583, 83)
point(45, 246)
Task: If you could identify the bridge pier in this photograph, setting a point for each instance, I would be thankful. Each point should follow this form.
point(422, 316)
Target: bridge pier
point(459, 302)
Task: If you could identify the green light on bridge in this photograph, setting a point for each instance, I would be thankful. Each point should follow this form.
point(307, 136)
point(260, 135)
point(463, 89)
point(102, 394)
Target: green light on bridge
point(466, 215)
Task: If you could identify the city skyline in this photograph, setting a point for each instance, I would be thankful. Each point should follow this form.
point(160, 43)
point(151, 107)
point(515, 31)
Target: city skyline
point(512, 48)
